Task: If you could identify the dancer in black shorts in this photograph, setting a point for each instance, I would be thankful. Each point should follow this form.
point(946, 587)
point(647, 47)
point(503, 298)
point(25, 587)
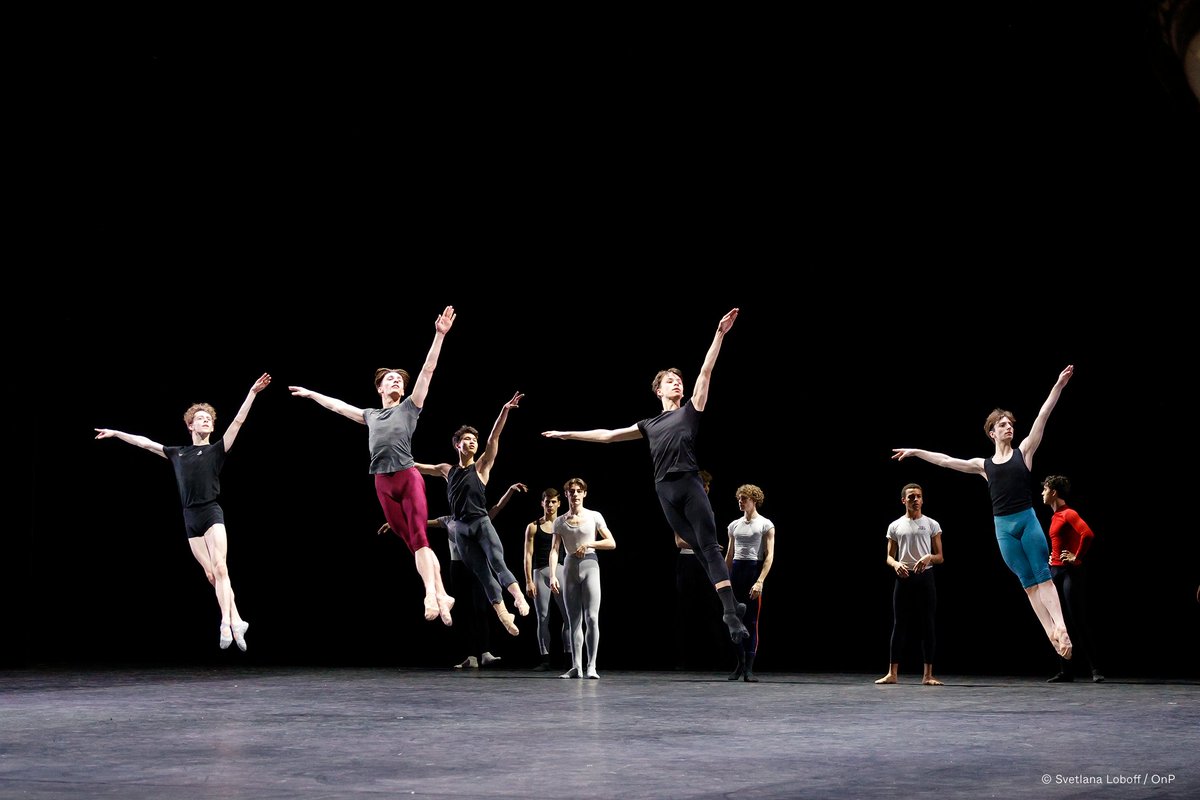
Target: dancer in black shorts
point(197, 470)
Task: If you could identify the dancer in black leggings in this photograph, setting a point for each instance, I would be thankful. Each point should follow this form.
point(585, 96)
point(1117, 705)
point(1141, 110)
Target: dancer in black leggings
point(672, 438)
point(914, 546)
point(472, 529)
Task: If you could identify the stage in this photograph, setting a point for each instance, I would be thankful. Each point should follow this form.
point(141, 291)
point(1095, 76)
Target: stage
point(307, 733)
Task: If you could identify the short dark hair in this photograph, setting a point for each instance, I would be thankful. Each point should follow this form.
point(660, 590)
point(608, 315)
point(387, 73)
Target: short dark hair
point(1058, 483)
point(465, 429)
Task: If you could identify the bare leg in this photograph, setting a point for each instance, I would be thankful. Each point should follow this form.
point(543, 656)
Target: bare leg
point(1044, 599)
point(893, 674)
point(929, 680)
point(211, 551)
point(437, 602)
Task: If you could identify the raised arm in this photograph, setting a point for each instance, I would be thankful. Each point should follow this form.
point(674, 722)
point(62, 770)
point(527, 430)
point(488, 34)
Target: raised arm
point(332, 403)
point(504, 498)
point(232, 431)
point(605, 435)
point(1030, 445)
point(700, 391)
point(140, 441)
point(441, 327)
point(484, 465)
point(972, 467)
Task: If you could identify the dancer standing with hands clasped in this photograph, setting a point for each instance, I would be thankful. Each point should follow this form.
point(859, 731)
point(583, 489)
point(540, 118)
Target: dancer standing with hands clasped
point(1018, 531)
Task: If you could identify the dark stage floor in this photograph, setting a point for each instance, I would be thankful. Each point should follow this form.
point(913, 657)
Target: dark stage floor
point(334, 733)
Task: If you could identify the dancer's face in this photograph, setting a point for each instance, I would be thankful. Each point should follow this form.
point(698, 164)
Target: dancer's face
point(202, 423)
point(671, 386)
point(1003, 430)
point(468, 444)
point(392, 384)
point(914, 500)
point(550, 505)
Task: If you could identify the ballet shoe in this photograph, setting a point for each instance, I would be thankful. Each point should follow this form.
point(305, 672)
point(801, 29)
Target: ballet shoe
point(239, 634)
point(470, 662)
point(507, 620)
point(737, 631)
point(1063, 646)
point(488, 658)
point(573, 672)
point(431, 609)
point(522, 605)
point(591, 673)
point(226, 636)
point(445, 603)
point(1062, 677)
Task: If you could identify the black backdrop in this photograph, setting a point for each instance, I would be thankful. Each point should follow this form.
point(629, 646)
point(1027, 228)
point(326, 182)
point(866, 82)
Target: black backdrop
point(906, 258)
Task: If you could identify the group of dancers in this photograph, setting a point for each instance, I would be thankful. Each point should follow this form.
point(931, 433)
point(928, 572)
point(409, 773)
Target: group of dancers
point(576, 534)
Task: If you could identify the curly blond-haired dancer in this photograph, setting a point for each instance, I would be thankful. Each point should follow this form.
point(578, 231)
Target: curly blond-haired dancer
point(197, 470)
point(750, 555)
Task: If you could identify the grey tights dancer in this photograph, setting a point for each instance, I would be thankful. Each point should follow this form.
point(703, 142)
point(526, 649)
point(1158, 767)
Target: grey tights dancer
point(582, 589)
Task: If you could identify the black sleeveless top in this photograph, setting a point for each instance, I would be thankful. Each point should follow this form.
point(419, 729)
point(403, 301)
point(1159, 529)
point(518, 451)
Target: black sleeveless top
point(541, 547)
point(1010, 485)
point(467, 494)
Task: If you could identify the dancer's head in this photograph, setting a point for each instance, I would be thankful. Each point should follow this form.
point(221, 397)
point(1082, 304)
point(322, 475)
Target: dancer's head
point(668, 383)
point(390, 380)
point(999, 425)
point(749, 497)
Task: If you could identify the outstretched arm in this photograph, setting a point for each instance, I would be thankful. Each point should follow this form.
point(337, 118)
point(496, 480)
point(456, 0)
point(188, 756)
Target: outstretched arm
point(973, 466)
point(700, 392)
point(484, 464)
point(1030, 445)
point(440, 470)
point(597, 434)
point(140, 441)
point(332, 403)
point(232, 431)
point(441, 327)
point(503, 501)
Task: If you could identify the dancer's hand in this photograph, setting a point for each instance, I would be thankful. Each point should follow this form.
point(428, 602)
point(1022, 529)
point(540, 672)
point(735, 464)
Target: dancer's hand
point(443, 323)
